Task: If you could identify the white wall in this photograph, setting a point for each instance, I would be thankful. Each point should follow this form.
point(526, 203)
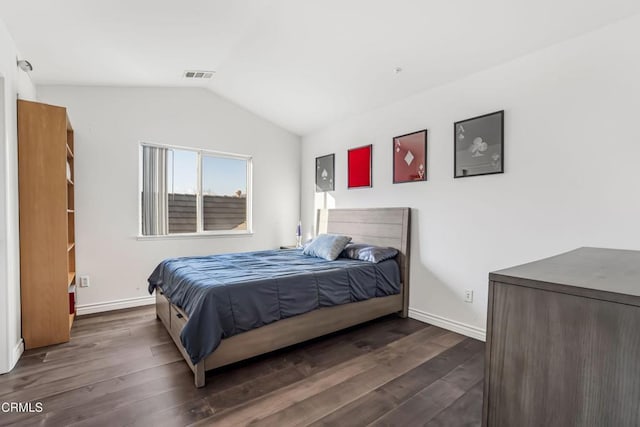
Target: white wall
point(572, 149)
point(13, 83)
point(109, 123)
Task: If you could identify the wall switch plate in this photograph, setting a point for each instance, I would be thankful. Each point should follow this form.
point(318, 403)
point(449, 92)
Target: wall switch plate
point(468, 295)
point(84, 281)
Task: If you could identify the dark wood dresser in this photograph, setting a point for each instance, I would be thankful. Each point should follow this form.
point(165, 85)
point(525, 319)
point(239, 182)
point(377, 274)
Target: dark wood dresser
point(563, 341)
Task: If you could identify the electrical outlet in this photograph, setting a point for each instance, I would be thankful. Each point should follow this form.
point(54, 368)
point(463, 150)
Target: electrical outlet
point(84, 282)
point(468, 295)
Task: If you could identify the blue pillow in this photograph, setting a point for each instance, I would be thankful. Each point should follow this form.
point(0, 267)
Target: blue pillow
point(369, 253)
point(327, 246)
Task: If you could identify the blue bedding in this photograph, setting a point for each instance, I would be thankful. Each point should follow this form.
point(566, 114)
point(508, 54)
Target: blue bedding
point(225, 295)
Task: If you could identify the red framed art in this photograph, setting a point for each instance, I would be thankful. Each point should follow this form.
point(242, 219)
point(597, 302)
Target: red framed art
point(359, 167)
point(410, 157)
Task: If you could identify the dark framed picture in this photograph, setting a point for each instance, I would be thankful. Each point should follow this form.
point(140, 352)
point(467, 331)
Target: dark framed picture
point(325, 173)
point(359, 167)
point(479, 145)
point(410, 157)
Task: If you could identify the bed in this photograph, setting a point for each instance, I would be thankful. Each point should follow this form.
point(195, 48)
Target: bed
point(226, 308)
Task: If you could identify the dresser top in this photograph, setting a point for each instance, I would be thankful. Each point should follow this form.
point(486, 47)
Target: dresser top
point(608, 270)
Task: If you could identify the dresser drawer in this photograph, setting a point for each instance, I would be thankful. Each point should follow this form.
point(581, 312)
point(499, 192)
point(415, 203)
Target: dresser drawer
point(162, 308)
point(178, 321)
point(562, 341)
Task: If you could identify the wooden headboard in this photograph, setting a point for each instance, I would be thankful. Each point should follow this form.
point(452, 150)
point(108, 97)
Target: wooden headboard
point(377, 226)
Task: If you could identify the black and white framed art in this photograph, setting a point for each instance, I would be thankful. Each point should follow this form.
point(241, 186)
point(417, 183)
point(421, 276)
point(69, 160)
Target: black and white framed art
point(325, 173)
point(479, 145)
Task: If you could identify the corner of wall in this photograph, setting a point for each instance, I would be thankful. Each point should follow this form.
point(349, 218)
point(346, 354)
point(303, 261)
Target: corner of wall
point(5, 360)
point(12, 83)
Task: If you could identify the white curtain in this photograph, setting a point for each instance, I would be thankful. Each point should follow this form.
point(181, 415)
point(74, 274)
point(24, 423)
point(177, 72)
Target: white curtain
point(155, 204)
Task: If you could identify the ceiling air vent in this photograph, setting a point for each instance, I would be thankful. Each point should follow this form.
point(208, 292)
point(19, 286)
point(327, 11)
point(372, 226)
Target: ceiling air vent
point(198, 74)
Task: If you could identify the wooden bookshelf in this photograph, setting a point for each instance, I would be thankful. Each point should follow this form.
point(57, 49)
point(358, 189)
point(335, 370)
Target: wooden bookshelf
point(47, 222)
point(71, 232)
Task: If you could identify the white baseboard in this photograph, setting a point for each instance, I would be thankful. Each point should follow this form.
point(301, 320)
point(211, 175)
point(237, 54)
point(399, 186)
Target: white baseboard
point(432, 319)
point(114, 305)
point(451, 325)
point(18, 349)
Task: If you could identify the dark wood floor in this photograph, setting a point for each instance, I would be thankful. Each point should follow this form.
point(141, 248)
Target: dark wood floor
point(121, 368)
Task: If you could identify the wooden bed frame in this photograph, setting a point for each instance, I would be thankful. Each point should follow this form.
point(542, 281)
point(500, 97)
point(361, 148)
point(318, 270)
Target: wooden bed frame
point(377, 226)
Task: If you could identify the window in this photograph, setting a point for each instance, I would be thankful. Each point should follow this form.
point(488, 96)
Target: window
point(187, 191)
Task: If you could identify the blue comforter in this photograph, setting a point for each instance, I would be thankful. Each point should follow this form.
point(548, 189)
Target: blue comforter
point(224, 295)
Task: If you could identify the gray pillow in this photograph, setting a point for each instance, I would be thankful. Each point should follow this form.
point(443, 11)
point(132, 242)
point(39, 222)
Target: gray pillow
point(369, 253)
point(327, 246)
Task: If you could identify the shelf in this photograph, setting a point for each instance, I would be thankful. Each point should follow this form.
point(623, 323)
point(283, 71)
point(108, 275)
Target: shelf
point(70, 211)
point(71, 317)
point(45, 153)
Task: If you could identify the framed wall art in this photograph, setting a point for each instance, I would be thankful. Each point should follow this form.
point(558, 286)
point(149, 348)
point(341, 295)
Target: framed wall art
point(359, 167)
point(479, 145)
point(410, 157)
point(325, 173)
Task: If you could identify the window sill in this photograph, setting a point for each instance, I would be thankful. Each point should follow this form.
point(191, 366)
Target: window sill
point(203, 235)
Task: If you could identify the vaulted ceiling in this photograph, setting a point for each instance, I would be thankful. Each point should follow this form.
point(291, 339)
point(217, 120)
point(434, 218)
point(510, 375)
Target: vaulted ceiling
point(299, 63)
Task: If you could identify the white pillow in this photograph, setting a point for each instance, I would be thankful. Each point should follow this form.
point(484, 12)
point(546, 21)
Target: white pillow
point(327, 246)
